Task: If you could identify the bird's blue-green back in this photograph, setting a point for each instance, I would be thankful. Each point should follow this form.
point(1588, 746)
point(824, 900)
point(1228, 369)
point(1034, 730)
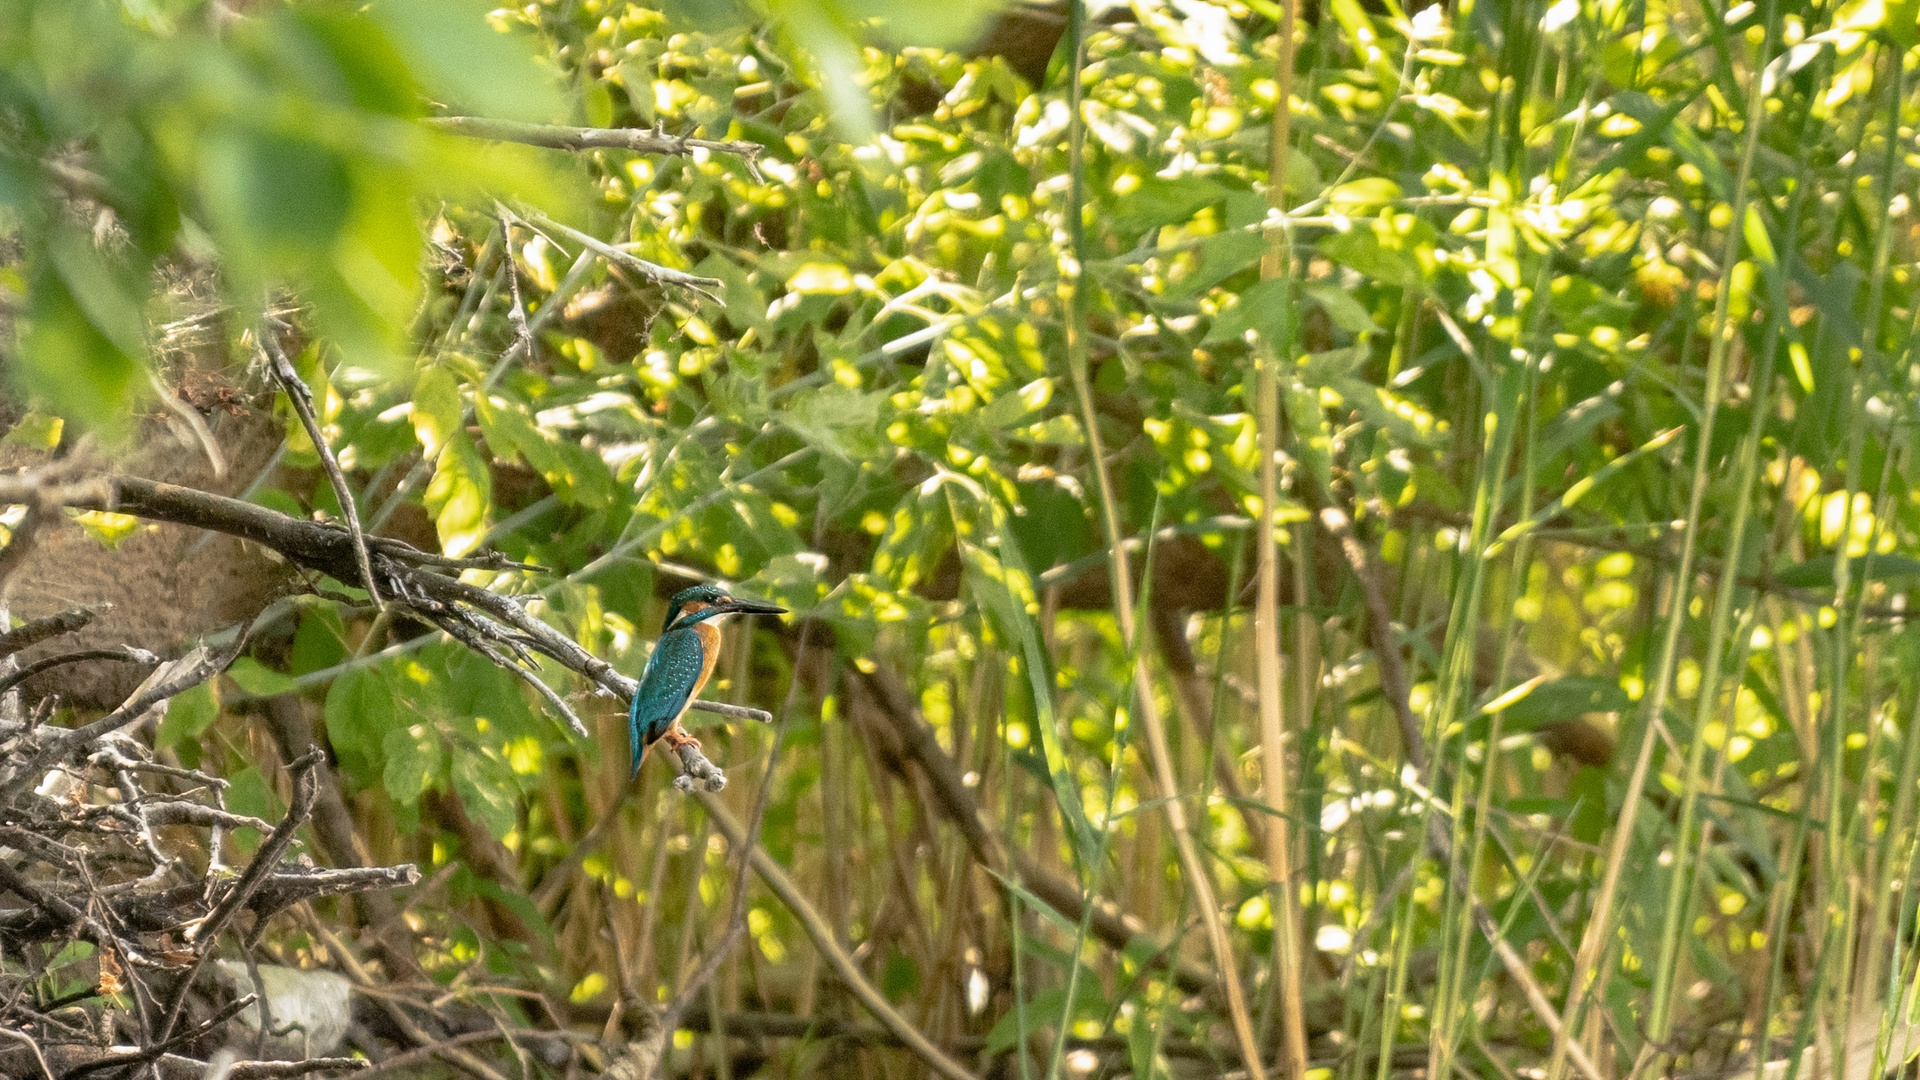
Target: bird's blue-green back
point(665, 685)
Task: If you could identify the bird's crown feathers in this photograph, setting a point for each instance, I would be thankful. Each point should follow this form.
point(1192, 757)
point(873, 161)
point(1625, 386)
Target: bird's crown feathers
point(697, 594)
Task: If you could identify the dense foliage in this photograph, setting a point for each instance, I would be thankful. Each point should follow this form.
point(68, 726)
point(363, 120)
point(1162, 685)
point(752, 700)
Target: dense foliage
point(1593, 329)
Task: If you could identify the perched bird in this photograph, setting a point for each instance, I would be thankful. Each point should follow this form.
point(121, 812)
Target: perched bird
point(681, 663)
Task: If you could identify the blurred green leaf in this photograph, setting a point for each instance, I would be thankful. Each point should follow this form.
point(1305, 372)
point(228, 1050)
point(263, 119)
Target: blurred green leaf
point(1817, 572)
point(468, 63)
point(188, 715)
point(259, 680)
point(488, 792)
point(414, 759)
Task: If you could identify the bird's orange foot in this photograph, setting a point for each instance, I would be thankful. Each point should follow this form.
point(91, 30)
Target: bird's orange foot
point(676, 737)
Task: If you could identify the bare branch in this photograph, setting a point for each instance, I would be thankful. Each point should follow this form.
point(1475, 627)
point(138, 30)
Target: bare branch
point(556, 137)
point(442, 599)
point(122, 655)
point(27, 635)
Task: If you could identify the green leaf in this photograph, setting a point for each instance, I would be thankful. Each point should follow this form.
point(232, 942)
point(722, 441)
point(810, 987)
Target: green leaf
point(576, 474)
point(1817, 572)
point(363, 57)
point(415, 759)
point(468, 63)
point(1008, 409)
point(1005, 592)
point(189, 713)
point(1157, 202)
point(249, 794)
point(279, 198)
point(361, 708)
point(1754, 228)
point(259, 680)
point(1555, 700)
point(1221, 256)
point(103, 291)
point(436, 409)
point(1260, 310)
point(320, 642)
point(460, 496)
point(1903, 22)
point(1043, 1009)
point(949, 25)
point(35, 431)
point(67, 360)
point(108, 529)
point(488, 791)
point(900, 979)
point(1363, 194)
point(793, 581)
point(1379, 254)
point(842, 422)
point(1347, 313)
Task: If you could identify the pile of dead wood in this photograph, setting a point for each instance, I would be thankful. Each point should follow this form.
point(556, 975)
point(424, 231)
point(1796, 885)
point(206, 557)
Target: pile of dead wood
point(128, 940)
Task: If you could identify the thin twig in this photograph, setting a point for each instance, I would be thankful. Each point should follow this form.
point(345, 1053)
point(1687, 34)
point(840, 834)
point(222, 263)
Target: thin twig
point(123, 655)
point(23, 1037)
point(557, 137)
point(361, 977)
point(300, 396)
point(264, 861)
point(116, 1061)
point(1386, 644)
point(654, 272)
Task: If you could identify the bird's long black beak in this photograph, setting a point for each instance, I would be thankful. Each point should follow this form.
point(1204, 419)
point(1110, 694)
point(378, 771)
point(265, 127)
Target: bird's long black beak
point(751, 607)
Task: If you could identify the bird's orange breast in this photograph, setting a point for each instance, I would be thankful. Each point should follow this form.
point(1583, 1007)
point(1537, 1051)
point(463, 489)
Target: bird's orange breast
point(709, 654)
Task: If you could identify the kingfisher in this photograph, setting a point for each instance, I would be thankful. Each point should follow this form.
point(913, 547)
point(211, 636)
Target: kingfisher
point(682, 661)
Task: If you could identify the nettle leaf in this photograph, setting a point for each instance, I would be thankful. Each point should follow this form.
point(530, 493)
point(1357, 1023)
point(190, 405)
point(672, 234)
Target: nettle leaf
point(845, 423)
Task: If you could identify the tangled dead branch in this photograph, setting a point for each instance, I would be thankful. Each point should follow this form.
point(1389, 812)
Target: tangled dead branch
point(117, 893)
